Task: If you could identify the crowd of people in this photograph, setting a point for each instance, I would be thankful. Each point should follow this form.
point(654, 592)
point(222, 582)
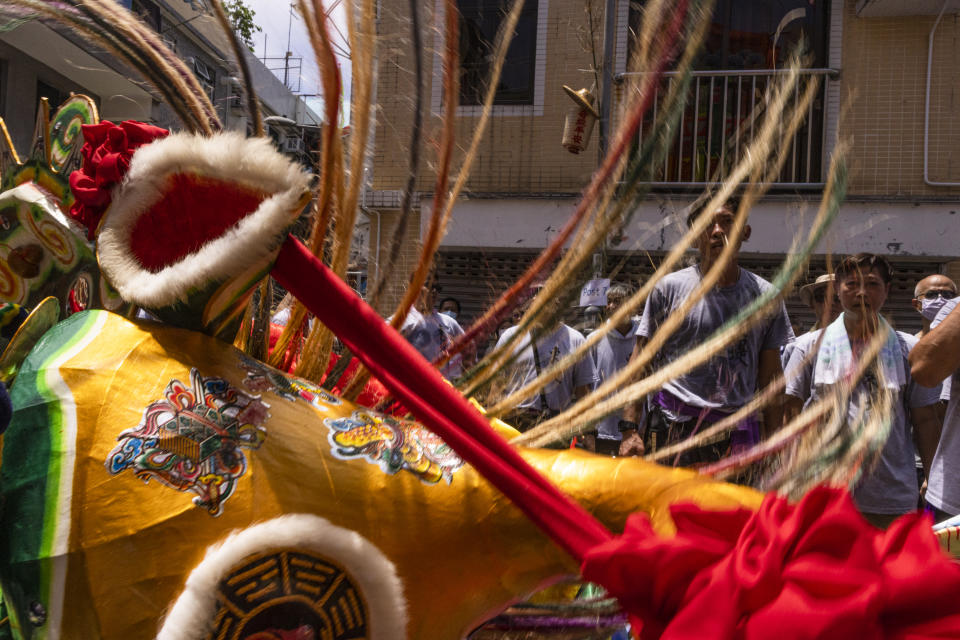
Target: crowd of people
point(911, 470)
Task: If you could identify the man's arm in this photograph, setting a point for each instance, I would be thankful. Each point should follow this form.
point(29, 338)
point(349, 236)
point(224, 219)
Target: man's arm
point(770, 368)
point(584, 371)
point(633, 411)
point(469, 354)
point(632, 442)
point(937, 355)
point(926, 432)
point(799, 371)
point(792, 406)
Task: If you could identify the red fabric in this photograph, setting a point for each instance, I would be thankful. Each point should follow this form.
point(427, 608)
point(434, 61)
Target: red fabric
point(816, 569)
point(373, 392)
point(439, 406)
point(106, 151)
point(292, 357)
point(72, 302)
point(193, 210)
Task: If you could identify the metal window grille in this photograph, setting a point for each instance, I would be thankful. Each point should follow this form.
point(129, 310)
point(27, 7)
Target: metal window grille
point(722, 112)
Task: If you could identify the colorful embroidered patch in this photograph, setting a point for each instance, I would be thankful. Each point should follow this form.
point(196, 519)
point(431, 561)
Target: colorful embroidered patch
point(193, 439)
point(261, 377)
point(393, 445)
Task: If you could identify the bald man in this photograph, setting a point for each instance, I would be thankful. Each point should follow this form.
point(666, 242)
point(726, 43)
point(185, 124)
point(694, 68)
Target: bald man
point(929, 296)
point(938, 358)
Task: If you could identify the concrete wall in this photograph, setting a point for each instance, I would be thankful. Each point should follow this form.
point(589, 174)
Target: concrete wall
point(276, 97)
point(19, 98)
point(383, 229)
point(881, 106)
point(518, 153)
point(33, 52)
point(876, 105)
point(188, 45)
point(883, 77)
point(921, 229)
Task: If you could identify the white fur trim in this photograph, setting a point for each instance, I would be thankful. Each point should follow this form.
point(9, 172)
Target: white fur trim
point(252, 162)
point(192, 615)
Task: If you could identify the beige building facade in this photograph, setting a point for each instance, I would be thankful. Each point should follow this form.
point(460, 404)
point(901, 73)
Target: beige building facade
point(899, 114)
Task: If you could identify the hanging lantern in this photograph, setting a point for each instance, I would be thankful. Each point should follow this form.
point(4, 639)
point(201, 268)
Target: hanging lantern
point(580, 120)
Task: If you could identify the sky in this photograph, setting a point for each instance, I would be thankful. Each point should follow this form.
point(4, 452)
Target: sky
point(276, 17)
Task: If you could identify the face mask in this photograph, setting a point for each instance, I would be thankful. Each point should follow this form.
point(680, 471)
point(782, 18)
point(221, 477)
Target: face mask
point(453, 314)
point(930, 308)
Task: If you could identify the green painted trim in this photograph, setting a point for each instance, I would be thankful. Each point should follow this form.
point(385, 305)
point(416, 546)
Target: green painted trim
point(31, 472)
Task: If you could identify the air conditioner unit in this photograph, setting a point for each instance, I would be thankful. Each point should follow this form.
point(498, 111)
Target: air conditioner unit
point(292, 145)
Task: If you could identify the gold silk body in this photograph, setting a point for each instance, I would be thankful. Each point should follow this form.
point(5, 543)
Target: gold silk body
point(461, 549)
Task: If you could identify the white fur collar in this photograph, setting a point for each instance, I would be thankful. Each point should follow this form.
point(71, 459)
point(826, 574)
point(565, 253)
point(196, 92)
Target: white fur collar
point(252, 162)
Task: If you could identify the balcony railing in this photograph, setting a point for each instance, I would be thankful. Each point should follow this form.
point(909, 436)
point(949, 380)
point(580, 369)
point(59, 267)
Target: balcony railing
point(717, 124)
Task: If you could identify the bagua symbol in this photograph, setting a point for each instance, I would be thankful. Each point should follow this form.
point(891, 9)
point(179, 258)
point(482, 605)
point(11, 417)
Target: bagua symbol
point(193, 439)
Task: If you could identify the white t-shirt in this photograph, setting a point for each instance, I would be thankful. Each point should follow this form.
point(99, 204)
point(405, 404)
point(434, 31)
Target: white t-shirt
point(551, 348)
point(281, 317)
point(891, 487)
point(943, 485)
point(431, 335)
point(612, 354)
point(729, 379)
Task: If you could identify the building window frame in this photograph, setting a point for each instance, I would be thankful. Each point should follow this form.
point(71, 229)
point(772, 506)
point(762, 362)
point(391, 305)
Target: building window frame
point(830, 92)
point(54, 94)
point(829, 53)
point(497, 110)
point(206, 75)
point(147, 11)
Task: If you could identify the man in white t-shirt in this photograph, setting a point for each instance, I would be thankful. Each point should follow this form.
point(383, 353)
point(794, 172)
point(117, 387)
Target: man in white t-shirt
point(929, 296)
point(729, 380)
point(431, 332)
point(611, 355)
point(937, 358)
point(528, 364)
point(821, 366)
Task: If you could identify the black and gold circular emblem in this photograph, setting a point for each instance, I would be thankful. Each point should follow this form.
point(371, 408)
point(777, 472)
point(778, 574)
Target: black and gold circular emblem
point(282, 593)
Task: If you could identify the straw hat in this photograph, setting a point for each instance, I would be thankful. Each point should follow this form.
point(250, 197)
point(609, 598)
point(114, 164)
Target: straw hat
point(807, 291)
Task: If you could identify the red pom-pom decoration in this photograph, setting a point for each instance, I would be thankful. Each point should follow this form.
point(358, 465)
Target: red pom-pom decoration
point(106, 151)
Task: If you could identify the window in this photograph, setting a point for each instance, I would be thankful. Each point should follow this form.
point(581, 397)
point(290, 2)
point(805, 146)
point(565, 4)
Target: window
point(763, 34)
point(147, 11)
point(170, 41)
point(759, 34)
point(205, 75)
point(479, 22)
point(747, 44)
point(203, 71)
point(51, 93)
